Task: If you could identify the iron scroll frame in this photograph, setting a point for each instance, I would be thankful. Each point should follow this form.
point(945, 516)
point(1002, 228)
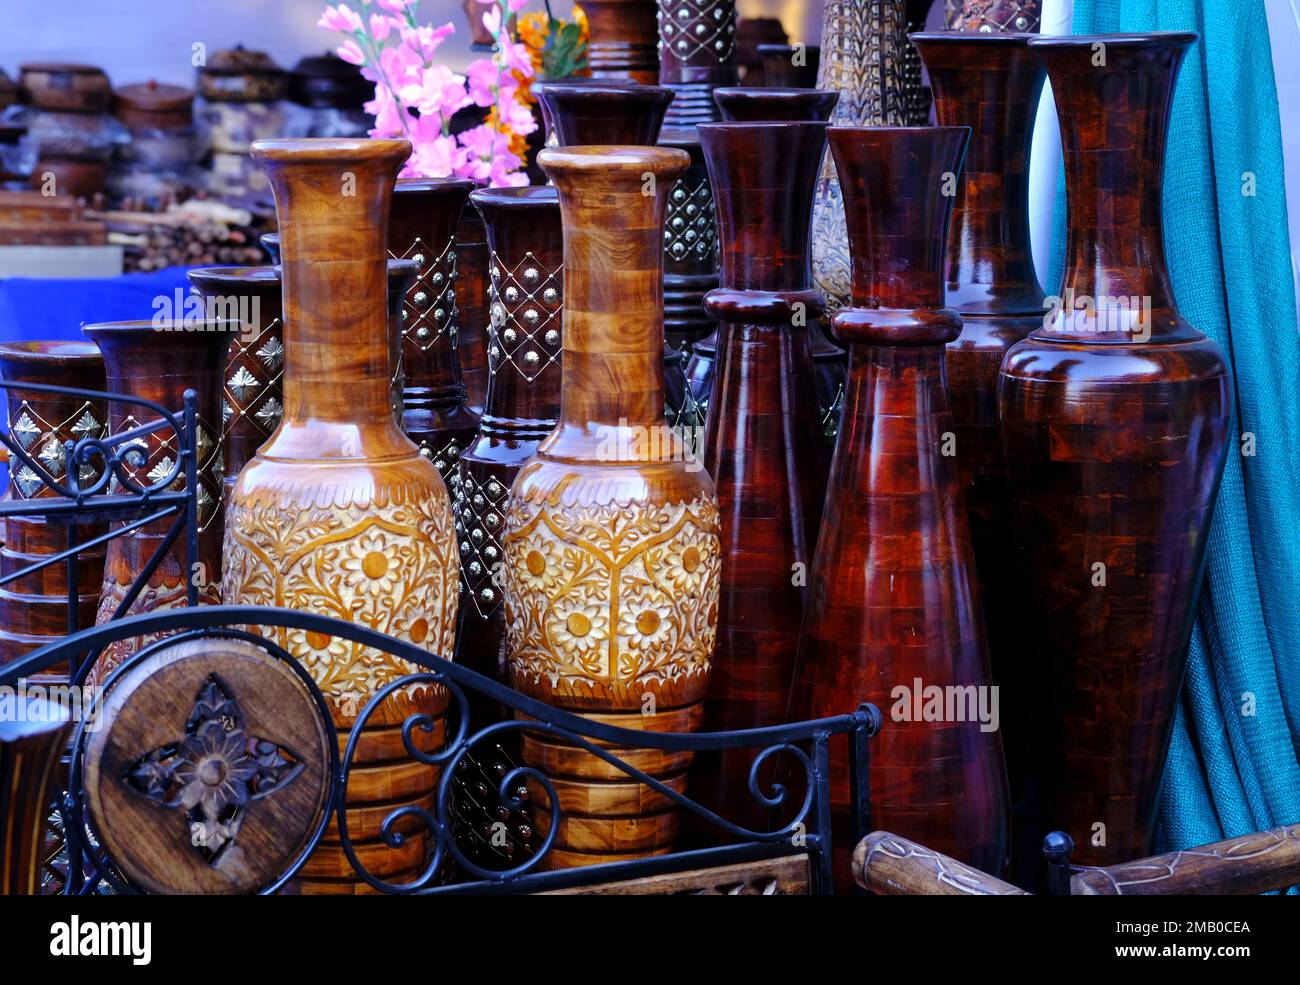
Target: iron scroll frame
point(807, 832)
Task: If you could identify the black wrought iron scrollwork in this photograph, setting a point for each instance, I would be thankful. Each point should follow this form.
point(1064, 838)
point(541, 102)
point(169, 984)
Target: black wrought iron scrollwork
point(802, 745)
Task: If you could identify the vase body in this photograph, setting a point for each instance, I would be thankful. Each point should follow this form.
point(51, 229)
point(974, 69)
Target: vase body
point(159, 362)
point(893, 598)
point(435, 412)
point(472, 308)
point(697, 54)
point(623, 39)
point(990, 82)
point(1114, 423)
point(34, 609)
point(33, 739)
point(741, 104)
point(339, 513)
point(611, 541)
point(252, 384)
point(763, 446)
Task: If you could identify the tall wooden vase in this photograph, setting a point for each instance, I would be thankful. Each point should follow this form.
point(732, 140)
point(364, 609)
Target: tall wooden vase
point(160, 362)
point(422, 227)
point(1114, 423)
point(893, 612)
point(339, 513)
point(34, 609)
point(611, 541)
point(623, 39)
point(762, 445)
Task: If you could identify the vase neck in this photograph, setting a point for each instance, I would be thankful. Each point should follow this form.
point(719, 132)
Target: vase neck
point(594, 112)
point(893, 182)
point(991, 82)
point(1114, 95)
point(332, 202)
point(612, 203)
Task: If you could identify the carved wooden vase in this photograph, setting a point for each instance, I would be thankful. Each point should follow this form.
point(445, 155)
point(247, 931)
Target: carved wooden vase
point(611, 541)
point(893, 607)
point(160, 361)
point(763, 446)
point(622, 39)
point(339, 513)
point(1114, 423)
point(34, 609)
point(422, 227)
point(990, 82)
point(252, 386)
point(767, 105)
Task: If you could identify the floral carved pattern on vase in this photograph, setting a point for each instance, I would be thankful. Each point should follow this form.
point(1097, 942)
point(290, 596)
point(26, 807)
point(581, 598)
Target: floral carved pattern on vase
point(378, 564)
point(612, 600)
point(215, 772)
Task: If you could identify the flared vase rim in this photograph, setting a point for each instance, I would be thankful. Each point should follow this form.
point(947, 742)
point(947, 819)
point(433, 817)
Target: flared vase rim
point(328, 150)
point(407, 186)
point(240, 276)
point(185, 326)
point(43, 350)
point(722, 126)
point(609, 87)
point(625, 158)
point(960, 128)
point(1130, 39)
point(521, 196)
point(956, 38)
point(779, 91)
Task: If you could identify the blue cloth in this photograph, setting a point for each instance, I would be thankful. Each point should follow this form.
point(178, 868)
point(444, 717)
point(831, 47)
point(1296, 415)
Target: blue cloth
point(56, 309)
point(1233, 762)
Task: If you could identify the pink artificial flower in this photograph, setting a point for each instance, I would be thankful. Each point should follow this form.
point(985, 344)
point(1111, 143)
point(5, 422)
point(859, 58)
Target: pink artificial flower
point(482, 75)
point(350, 53)
point(341, 18)
point(394, 6)
point(517, 5)
point(401, 66)
point(514, 55)
point(434, 154)
point(425, 40)
point(492, 21)
point(381, 26)
point(389, 116)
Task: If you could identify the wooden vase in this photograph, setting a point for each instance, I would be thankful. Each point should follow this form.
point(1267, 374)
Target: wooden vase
point(762, 446)
point(768, 105)
point(422, 227)
point(893, 603)
point(34, 609)
point(32, 741)
point(611, 540)
point(252, 385)
point(1114, 424)
point(697, 53)
point(622, 39)
point(339, 513)
point(472, 283)
point(159, 361)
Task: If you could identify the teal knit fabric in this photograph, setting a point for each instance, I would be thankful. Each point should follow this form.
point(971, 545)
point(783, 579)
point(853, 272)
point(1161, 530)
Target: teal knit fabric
point(1233, 762)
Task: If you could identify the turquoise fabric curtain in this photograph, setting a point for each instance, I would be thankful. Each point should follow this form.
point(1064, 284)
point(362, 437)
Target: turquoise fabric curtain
point(1233, 763)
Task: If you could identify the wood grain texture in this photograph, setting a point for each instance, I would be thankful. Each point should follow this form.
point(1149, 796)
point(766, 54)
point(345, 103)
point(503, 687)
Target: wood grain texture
point(34, 608)
point(623, 37)
point(1114, 427)
point(893, 600)
point(611, 540)
point(762, 446)
point(31, 747)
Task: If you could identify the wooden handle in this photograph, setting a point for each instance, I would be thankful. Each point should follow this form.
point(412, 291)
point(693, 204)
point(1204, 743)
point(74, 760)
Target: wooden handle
point(889, 865)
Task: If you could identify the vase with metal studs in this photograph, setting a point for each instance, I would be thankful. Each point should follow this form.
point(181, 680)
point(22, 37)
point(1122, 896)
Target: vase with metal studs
point(338, 513)
point(769, 105)
point(422, 227)
point(762, 446)
point(893, 611)
point(611, 540)
point(1115, 416)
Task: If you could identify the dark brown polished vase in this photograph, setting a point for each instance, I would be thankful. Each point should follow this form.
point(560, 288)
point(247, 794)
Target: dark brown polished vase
point(611, 542)
point(252, 386)
point(472, 308)
point(422, 227)
point(767, 105)
point(990, 82)
point(697, 54)
point(893, 606)
point(160, 362)
point(622, 41)
point(34, 608)
point(1114, 424)
point(762, 447)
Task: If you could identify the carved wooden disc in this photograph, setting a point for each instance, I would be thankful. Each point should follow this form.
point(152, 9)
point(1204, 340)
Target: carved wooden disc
point(209, 771)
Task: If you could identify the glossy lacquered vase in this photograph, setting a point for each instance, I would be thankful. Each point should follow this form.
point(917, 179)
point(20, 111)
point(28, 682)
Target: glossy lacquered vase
point(34, 609)
point(339, 513)
point(611, 541)
point(472, 283)
point(762, 447)
point(623, 39)
point(893, 612)
point(422, 227)
point(697, 54)
point(1114, 424)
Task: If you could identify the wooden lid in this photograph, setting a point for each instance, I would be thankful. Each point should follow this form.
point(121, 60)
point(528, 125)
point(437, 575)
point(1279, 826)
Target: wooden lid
point(241, 75)
point(208, 771)
point(151, 104)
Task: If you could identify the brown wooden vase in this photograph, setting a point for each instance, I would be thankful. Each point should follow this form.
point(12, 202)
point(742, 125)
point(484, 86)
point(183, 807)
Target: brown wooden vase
point(33, 738)
point(422, 227)
point(1114, 423)
point(472, 308)
point(697, 53)
point(160, 361)
point(622, 39)
point(339, 513)
point(762, 446)
point(893, 605)
point(34, 609)
point(611, 540)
